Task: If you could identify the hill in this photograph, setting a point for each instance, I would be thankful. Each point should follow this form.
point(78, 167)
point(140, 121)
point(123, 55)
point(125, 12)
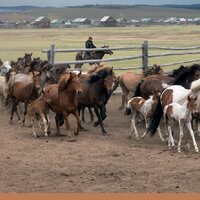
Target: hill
point(98, 11)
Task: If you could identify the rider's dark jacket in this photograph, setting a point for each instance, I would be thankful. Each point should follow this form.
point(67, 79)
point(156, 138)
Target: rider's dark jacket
point(89, 44)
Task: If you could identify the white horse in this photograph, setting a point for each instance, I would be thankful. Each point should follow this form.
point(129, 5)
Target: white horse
point(4, 68)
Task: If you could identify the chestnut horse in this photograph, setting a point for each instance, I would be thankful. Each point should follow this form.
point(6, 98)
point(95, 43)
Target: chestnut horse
point(64, 101)
point(129, 80)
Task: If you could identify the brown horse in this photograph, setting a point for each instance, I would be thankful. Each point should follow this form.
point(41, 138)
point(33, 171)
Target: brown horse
point(97, 54)
point(63, 100)
point(22, 88)
point(129, 80)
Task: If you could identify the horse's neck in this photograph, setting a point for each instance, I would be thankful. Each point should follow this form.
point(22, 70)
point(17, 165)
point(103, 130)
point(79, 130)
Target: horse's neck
point(70, 91)
point(99, 54)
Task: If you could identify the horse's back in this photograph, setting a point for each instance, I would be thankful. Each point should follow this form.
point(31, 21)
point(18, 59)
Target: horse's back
point(174, 94)
point(129, 80)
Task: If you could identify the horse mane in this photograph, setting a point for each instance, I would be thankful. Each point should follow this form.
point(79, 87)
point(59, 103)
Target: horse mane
point(186, 72)
point(102, 73)
point(97, 68)
point(155, 69)
point(64, 81)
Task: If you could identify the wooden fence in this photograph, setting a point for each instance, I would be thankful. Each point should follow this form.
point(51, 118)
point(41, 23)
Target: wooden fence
point(144, 55)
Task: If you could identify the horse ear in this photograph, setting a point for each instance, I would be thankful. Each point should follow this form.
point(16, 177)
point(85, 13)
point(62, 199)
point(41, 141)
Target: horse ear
point(189, 99)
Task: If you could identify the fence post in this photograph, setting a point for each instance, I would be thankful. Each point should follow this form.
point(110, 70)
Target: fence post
point(51, 60)
point(145, 55)
point(51, 56)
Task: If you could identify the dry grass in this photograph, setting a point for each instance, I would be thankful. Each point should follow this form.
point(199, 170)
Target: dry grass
point(14, 43)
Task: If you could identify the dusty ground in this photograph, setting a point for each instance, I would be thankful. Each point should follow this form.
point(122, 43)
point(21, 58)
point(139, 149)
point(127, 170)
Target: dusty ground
point(94, 163)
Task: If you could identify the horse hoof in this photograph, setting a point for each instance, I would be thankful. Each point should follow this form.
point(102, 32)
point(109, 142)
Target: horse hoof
point(104, 132)
point(71, 140)
point(96, 124)
point(76, 133)
point(82, 129)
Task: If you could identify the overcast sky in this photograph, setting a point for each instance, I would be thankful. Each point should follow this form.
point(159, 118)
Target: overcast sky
point(60, 3)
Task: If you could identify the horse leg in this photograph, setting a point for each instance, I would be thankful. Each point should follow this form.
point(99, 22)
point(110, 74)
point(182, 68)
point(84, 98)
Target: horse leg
point(99, 119)
point(33, 127)
point(14, 109)
point(45, 122)
point(48, 122)
point(69, 136)
point(170, 139)
point(160, 134)
point(91, 114)
point(125, 93)
point(82, 114)
point(102, 114)
point(180, 136)
point(79, 126)
point(192, 135)
point(25, 112)
point(133, 127)
point(57, 124)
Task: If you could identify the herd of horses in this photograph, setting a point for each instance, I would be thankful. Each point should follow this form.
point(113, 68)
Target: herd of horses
point(34, 84)
point(42, 87)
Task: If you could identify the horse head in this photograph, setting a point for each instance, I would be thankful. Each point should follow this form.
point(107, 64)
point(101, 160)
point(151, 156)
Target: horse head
point(26, 60)
point(69, 78)
point(107, 51)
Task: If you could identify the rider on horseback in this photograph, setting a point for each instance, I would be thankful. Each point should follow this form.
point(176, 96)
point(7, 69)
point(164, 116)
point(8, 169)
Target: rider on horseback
point(89, 45)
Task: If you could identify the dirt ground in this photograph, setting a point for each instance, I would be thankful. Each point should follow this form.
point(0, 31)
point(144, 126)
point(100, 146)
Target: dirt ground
point(95, 163)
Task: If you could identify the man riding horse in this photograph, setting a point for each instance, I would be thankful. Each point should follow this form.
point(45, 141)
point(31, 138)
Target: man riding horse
point(89, 45)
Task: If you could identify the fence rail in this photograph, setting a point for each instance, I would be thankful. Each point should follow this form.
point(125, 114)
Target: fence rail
point(144, 55)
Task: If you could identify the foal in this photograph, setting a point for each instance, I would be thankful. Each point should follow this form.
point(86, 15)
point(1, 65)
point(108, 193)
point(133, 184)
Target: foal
point(39, 110)
point(182, 114)
point(139, 105)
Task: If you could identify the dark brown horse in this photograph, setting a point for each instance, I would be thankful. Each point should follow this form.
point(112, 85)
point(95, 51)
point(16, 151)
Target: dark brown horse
point(63, 100)
point(157, 83)
point(96, 54)
point(96, 93)
point(22, 88)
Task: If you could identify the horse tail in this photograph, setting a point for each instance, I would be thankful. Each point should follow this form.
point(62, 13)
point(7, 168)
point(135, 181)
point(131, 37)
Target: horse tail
point(128, 109)
point(155, 120)
point(138, 90)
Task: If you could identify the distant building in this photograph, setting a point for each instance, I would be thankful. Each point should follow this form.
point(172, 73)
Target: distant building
point(108, 21)
point(56, 23)
point(81, 21)
point(41, 22)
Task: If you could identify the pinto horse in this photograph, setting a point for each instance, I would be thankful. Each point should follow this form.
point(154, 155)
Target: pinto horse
point(138, 105)
point(64, 100)
point(182, 114)
point(129, 81)
point(97, 54)
point(172, 94)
